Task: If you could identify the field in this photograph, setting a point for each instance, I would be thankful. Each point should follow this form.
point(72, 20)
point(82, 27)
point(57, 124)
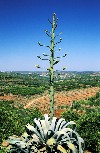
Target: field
point(62, 99)
point(31, 89)
point(77, 98)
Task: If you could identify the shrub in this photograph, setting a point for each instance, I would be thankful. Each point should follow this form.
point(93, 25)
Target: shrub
point(18, 90)
point(76, 105)
point(70, 115)
point(88, 125)
point(94, 101)
point(13, 120)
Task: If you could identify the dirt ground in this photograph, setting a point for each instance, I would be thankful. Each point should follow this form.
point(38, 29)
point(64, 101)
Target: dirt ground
point(63, 98)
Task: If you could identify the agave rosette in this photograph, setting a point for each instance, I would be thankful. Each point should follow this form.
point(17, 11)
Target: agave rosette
point(47, 136)
point(56, 134)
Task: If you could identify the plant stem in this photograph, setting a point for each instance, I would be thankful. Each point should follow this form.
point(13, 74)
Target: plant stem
point(52, 71)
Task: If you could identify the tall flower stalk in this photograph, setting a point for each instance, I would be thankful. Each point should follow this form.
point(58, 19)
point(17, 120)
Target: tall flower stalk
point(52, 69)
point(52, 60)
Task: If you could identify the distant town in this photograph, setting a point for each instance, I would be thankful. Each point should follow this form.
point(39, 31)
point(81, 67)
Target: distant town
point(61, 74)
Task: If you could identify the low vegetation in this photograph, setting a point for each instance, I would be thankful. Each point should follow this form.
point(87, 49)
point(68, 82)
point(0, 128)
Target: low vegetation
point(87, 116)
point(24, 84)
point(85, 113)
point(13, 120)
point(81, 105)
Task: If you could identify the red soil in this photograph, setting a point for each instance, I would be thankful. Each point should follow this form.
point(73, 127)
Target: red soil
point(63, 98)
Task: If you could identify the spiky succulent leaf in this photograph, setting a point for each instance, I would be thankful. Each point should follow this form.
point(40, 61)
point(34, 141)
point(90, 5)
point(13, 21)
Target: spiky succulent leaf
point(53, 135)
point(71, 146)
point(60, 148)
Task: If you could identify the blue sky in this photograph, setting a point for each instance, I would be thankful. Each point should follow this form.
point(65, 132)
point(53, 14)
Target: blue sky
point(22, 25)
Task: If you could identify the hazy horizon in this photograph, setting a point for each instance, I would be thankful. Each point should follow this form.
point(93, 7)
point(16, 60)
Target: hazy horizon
point(22, 25)
point(47, 71)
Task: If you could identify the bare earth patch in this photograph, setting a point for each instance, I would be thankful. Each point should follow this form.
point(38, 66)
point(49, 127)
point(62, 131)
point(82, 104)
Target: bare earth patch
point(63, 98)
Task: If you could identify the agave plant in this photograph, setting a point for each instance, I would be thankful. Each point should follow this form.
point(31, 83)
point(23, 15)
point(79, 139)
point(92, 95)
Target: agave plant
point(56, 136)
